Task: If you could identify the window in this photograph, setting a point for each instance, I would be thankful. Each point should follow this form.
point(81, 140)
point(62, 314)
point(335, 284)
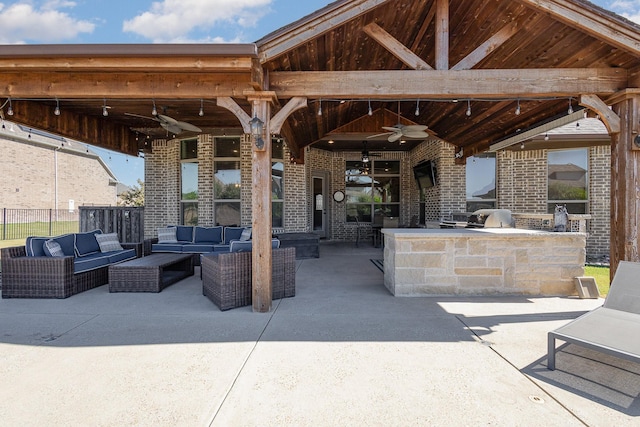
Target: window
point(481, 182)
point(277, 183)
point(568, 180)
point(226, 181)
point(189, 182)
point(373, 190)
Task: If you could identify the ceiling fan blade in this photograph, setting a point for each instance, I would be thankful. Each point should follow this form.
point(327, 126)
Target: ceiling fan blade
point(175, 129)
point(412, 128)
point(142, 117)
point(167, 119)
point(379, 134)
point(394, 137)
point(416, 134)
point(392, 128)
point(189, 127)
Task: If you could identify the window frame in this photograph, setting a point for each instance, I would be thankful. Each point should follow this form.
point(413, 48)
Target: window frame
point(366, 211)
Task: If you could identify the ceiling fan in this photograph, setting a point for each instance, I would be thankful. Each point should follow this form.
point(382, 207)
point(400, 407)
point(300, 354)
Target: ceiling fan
point(366, 156)
point(170, 124)
point(399, 131)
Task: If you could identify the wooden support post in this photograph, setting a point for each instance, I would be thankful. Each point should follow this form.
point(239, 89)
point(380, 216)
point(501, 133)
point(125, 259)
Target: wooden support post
point(442, 35)
point(625, 184)
point(261, 206)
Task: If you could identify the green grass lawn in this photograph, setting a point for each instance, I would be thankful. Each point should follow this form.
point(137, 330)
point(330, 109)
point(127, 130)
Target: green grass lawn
point(601, 274)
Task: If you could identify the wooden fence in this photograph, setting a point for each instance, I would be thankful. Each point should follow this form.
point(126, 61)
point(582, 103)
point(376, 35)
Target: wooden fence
point(128, 222)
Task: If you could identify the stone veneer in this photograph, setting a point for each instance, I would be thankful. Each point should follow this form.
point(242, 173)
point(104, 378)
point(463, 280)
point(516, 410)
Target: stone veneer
point(482, 262)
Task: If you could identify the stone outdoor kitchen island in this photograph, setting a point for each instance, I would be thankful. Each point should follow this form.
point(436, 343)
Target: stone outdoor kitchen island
point(490, 261)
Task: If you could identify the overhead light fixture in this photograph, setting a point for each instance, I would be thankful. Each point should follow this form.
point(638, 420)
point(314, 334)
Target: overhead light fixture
point(201, 112)
point(518, 108)
point(320, 108)
point(57, 109)
point(468, 113)
point(370, 110)
point(10, 109)
point(417, 112)
point(331, 141)
point(154, 110)
point(257, 127)
point(570, 110)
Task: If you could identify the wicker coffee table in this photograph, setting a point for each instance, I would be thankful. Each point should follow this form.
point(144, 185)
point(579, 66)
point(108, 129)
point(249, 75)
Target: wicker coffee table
point(151, 273)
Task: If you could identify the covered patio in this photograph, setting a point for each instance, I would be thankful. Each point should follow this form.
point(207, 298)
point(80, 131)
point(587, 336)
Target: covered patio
point(342, 352)
point(479, 76)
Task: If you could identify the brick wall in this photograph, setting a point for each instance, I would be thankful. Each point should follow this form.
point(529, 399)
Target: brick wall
point(521, 187)
point(29, 177)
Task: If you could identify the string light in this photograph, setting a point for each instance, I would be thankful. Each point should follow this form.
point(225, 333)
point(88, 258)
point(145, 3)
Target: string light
point(154, 111)
point(546, 136)
point(522, 145)
point(105, 112)
point(468, 113)
point(370, 110)
point(10, 109)
point(570, 110)
point(201, 112)
point(57, 109)
point(320, 108)
point(518, 108)
point(417, 112)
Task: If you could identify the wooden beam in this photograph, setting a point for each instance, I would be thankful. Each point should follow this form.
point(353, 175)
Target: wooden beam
point(442, 34)
point(261, 214)
point(326, 19)
point(608, 117)
point(231, 105)
point(291, 106)
point(138, 64)
point(396, 48)
point(592, 21)
point(497, 84)
point(482, 51)
point(121, 85)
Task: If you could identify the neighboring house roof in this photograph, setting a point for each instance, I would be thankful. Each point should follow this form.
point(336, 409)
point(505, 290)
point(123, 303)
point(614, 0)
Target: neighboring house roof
point(23, 134)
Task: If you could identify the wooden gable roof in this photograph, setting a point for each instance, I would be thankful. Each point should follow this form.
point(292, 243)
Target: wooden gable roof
point(496, 56)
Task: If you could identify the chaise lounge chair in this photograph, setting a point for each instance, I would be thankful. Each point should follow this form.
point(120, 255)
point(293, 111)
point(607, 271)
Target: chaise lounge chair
point(612, 328)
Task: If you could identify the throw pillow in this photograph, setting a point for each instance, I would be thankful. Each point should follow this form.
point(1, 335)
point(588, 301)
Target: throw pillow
point(167, 235)
point(52, 248)
point(108, 242)
point(246, 234)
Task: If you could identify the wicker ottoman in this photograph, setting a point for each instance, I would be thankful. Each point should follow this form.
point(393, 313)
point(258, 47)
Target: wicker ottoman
point(226, 277)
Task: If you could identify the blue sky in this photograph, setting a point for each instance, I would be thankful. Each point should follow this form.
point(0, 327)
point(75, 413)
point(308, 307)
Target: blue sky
point(167, 21)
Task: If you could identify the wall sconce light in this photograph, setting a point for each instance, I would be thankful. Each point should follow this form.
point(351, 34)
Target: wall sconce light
point(257, 127)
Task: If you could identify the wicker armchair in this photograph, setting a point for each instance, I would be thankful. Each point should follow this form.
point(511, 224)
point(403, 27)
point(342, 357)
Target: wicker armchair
point(226, 277)
point(48, 277)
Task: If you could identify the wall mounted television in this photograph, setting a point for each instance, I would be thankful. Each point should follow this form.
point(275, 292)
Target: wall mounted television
point(425, 174)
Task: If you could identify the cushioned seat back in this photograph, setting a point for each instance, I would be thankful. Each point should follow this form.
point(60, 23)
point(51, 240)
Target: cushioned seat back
point(232, 233)
point(211, 235)
point(34, 246)
point(67, 244)
point(240, 246)
point(624, 293)
point(86, 243)
point(184, 233)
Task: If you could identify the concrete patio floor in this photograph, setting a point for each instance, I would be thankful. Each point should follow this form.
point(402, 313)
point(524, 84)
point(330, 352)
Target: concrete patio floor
point(342, 352)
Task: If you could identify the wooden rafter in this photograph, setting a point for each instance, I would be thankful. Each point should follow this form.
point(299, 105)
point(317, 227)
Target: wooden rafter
point(584, 18)
point(308, 28)
point(448, 84)
point(396, 48)
point(442, 34)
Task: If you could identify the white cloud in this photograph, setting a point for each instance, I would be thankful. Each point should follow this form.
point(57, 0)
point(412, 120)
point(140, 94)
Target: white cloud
point(630, 9)
point(172, 21)
point(23, 22)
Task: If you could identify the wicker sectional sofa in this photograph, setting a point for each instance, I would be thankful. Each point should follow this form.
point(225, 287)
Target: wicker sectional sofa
point(30, 272)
